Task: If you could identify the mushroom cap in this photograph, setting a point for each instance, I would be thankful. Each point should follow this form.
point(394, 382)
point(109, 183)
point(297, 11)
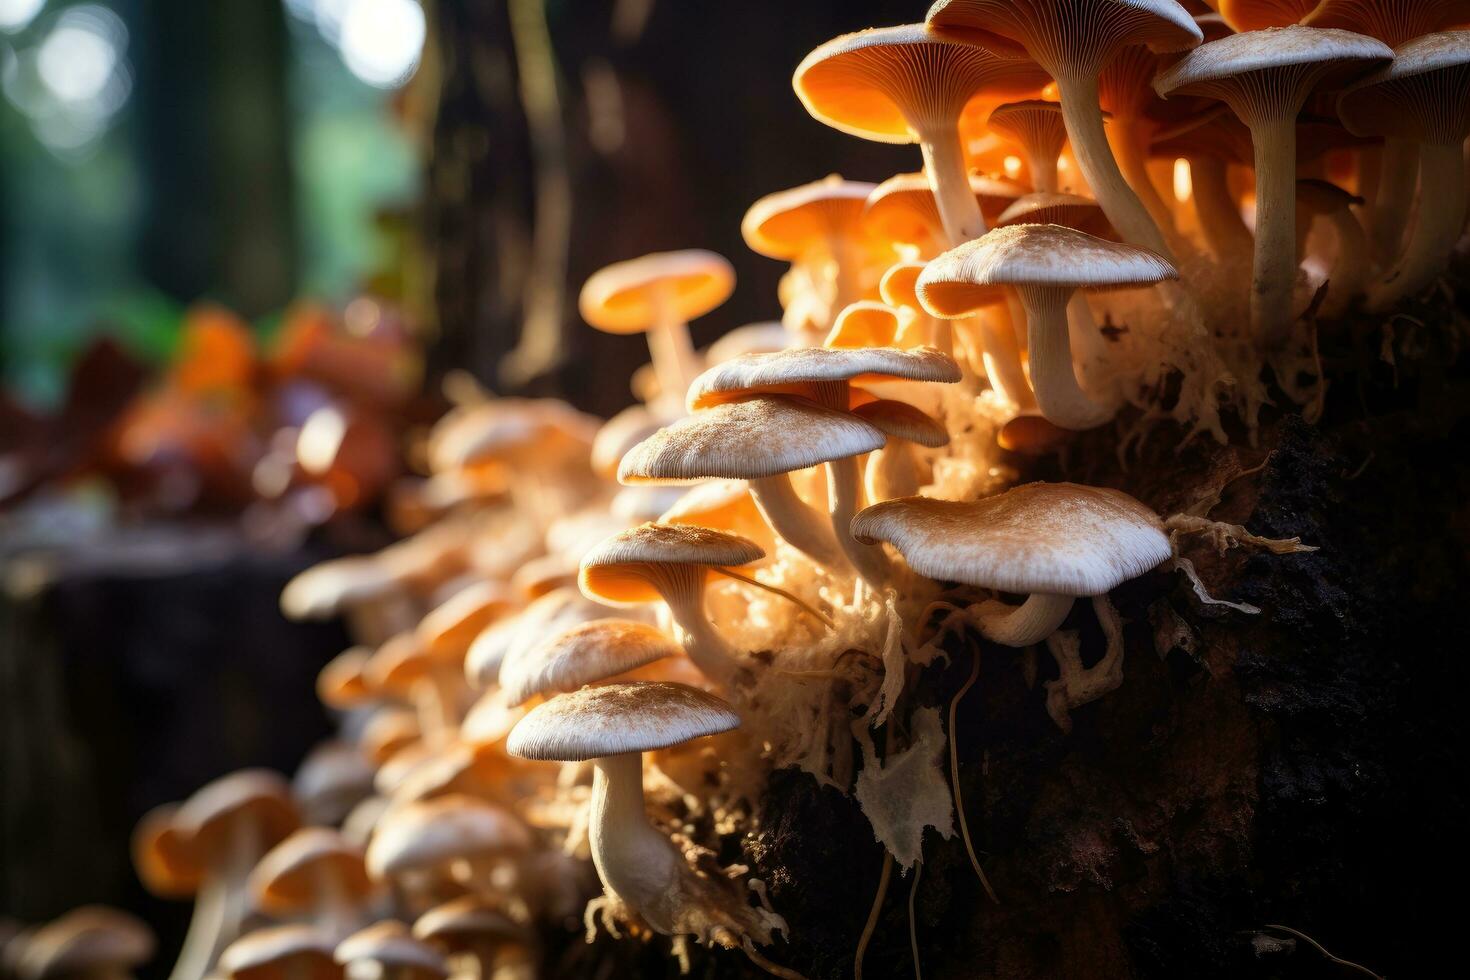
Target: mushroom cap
point(583, 655)
point(1068, 210)
point(1423, 94)
point(1235, 64)
point(799, 370)
point(724, 505)
point(789, 224)
point(615, 719)
point(390, 943)
point(1080, 33)
point(1053, 538)
point(964, 278)
point(1031, 435)
point(398, 664)
point(166, 858)
point(290, 876)
point(1031, 122)
point(1391, 21)
point(340, 683)
point(619, 434)
point(902, 208)
point(899, 284)
point(262, 954)
point(427, 834)
point(747, 440)
point(903, 421)
point(91, 939)
point(324, 589)
point(258, 795)
point(889, 83)
point(460, 921)
point(752, 338)
point(536, 578)
point(558, 609)
point(615, 571)
point(508, 429)
point(489, 719)
point(863, 324)
point(334, 775)
point(1254, 15)
point(629, 297)
point(1324, 197)
point(447, 630)
point(389, 730)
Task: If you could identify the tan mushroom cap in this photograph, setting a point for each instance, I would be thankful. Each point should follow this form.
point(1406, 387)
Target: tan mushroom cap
point(619, 718)
point(903, 421)
point(165, 857)
point(788, 224)
point(1255, 15)
point(447, 630)
point(430, 833)
point(800, 371)
point(334, 775)
point(398, 664)
point(91, 939)
point(886, 83)
point(1084, 32)
point(863, 324)
point(388, 732)
point(489, 719)
point(1052, 538)
point(1232, 65)
point(535, 579)
point(614, 572)
point(1422, 95)
point(508, 429)
point(325, 589)
point(558, 609)
point(619, 434)
point(584, 655)
point(1068, 210)
point(1391, 21)
point(461, 922)
point(297, 952)
point(724, 505)
point(747, 440)
point(1034, 255)
point(290, 876)
point(1029, 121)
point(628, 297)
point(391, 944)
point(259, 795)
point(340, 683)
point(902, 209)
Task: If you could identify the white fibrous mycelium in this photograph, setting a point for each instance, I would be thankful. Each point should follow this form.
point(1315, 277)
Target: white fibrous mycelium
point(809, 589)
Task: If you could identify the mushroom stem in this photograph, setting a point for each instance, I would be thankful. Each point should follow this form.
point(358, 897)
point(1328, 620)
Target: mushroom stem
point(798, 524)
point(944, 162)
point(1224, 229)
point(635, 862)
point(1020, 626)
point(682, 589)
point(336, 912)
point(1397, 169)
point(844, 490)
point(1274, 272)
point(1003, 358)
point(1130, 144)
point(674, 360)
point(1083, 116)
point(436, 702)
point(222, 904)
point(1436, 227)
point(1060, 398)
point(1350, 271)
point(892, 471)
point(1043, 169)
point(1087, 342)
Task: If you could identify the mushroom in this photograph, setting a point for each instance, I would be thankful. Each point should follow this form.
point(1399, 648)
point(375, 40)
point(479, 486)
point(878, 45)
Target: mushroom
point(292, 952)
point(817, 227)
point(1051, 541)
point(1349, 271)
point(390, 730)
point(333, 778)
point(908, 85)
point(340, 683)
point(582, 655)
point(1265, 78)
point(223, 830)
point(1074, 40)
point(655, 562)
point(893, 471)
point(424, 844)
point(760, 440)
point(1039, 128)
point(612, 726)
point(658, 295)
point(902, 211)
point(1391, 21)
point(620, 433)
point(1045, 264)
point(825, 375)
point(1423, 97)
point(388, 951)
point(403, 668)
point(478, 928)
point(724, 505)
point(93, 942)
point(314, 872)
point(558, 609)
point(1211, 142)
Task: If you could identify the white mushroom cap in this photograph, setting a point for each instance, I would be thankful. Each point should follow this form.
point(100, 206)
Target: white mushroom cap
point(461, 919)
point(619, 718)
point(271, 947)
point(1229, 67)
point(1065, 30)
point(611, 572)
point(753, 338)
point(1423, 94)
point(790, 370)
point(625, 297)
point(390, 943)
point(1391, 21)
point(289, 876)
point(430, 833)
point(323, 590)
point(556, 610)
point(903, 421)
point(584, 655)
point(90, 939)
point(747, 440)
point(1052, 538)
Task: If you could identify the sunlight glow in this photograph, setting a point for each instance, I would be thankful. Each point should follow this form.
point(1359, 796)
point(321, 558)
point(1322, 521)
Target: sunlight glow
point(381, 40)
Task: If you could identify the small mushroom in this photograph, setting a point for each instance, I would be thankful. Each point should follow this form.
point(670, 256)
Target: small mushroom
point(558, 609)
point(317, 873)
point(387, 950)
point(93, 942)
point(291, 952)
point(340, 683)
point(478, 928)
point(658, 295)
point(1039, 128)
point(333, 778)
point(1050, 541)
point(1349, 272)
point(893, 470)
point(585, 654)
point(424, 844)
point(902, 211)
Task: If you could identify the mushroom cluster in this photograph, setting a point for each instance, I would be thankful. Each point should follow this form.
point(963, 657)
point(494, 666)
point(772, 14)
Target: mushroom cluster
point(601, 638)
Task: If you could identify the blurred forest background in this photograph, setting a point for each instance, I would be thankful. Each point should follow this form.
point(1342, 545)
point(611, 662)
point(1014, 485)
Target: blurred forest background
point(463, 163)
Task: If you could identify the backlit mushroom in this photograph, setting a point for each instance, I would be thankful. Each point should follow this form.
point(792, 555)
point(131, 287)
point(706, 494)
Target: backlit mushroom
point(582, 655)
point(92, 942)
point(313, 872)
point(1039, 128)
point(388, 951)
point(291, 952)
point(1349, 271)
point(427, 843)
point(1391, 21)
